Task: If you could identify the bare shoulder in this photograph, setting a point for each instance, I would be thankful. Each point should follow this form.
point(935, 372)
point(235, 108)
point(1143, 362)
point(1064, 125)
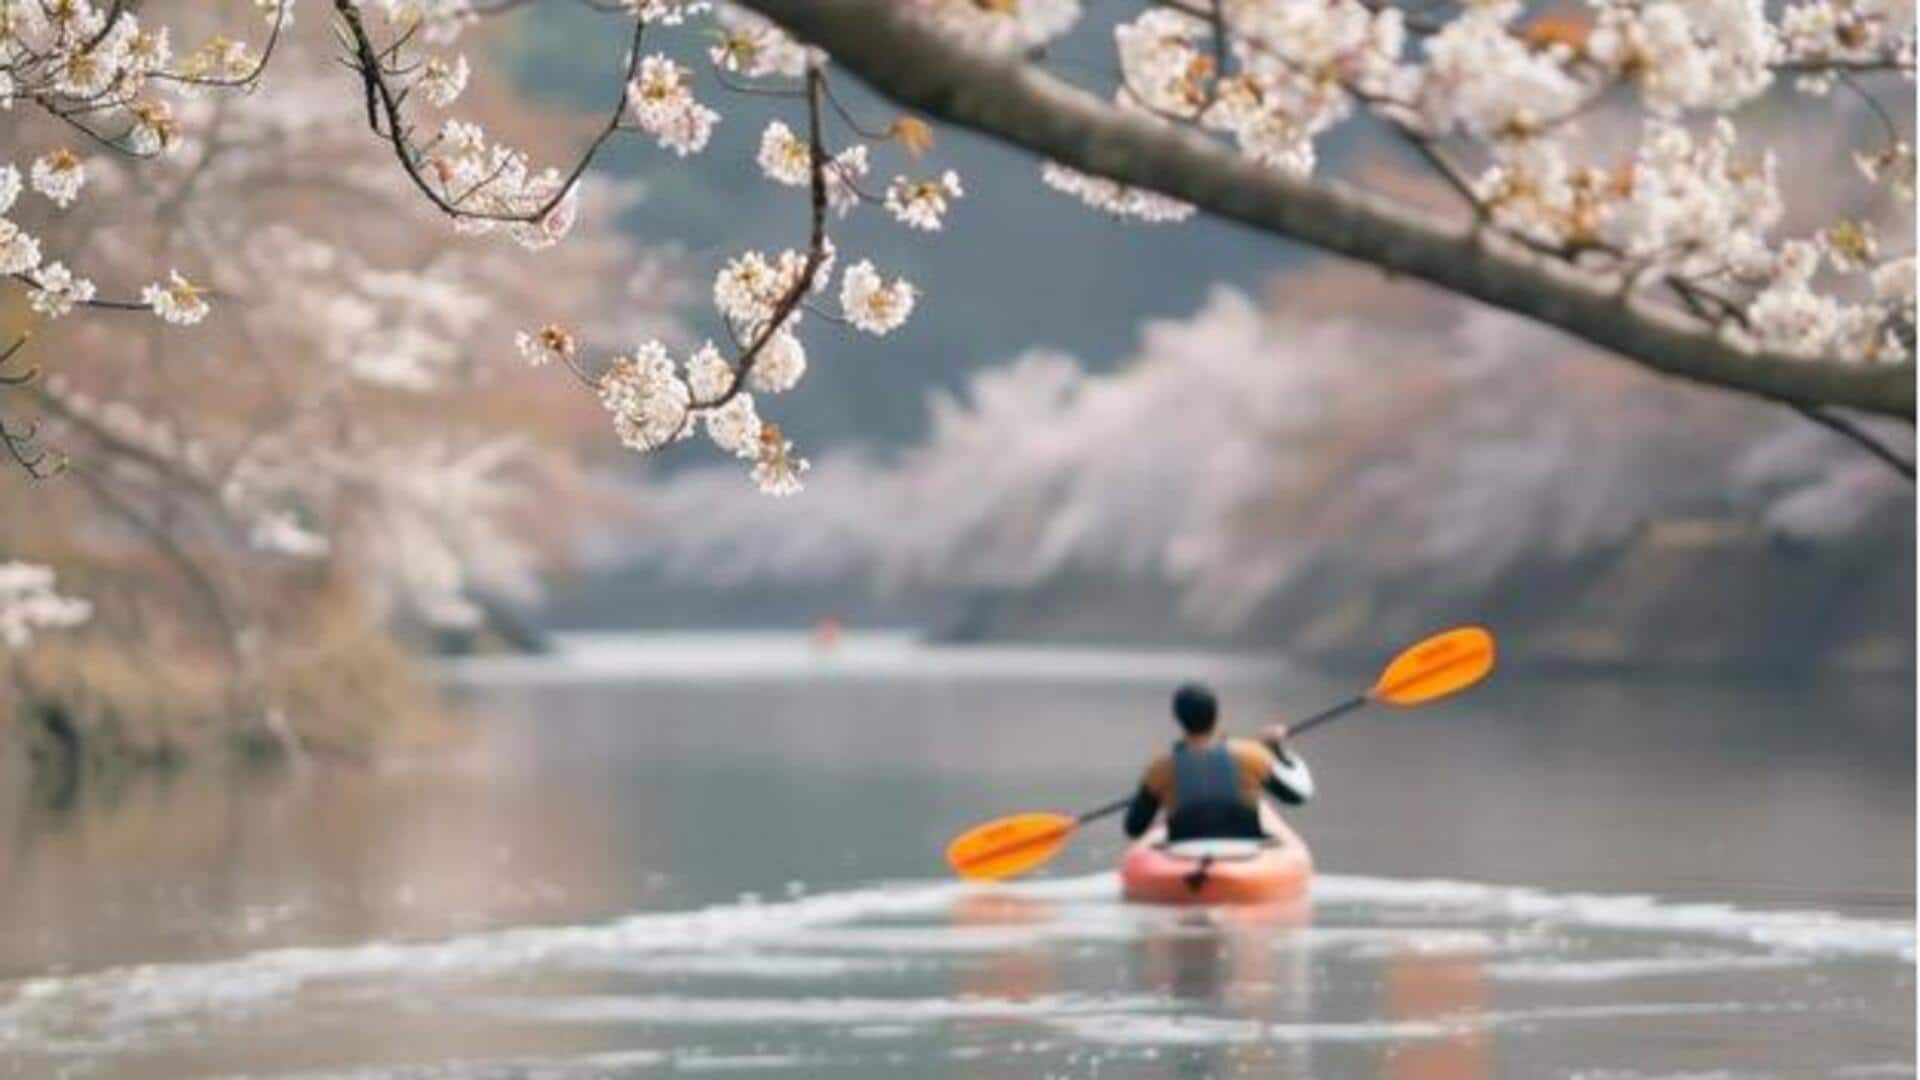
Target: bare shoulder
point(1250, 750)
point(1251, 754)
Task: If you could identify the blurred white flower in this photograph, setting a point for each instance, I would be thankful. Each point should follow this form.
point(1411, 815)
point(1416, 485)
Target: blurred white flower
point(709, 375)
point(1000, 25)
point(647, 398)
point(28, 604)
point(59, 174)
point(177, 300)
point(784, 157)
point(664, 107)
point(442, 80)
point(549, 343)
point(56, 290)
point(154, 128)
point(923, 204)
point(735, 427)
point(777, 470)
point(749, 45)
point(280, 533)
point(781, 363)
point(19, 251)
point(1116, 199)
point(666, 12)
point(871, 303)
point(844, 171)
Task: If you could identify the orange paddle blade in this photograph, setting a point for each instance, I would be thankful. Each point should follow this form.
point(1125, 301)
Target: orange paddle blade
point(1008, 846)
point(1445, 663)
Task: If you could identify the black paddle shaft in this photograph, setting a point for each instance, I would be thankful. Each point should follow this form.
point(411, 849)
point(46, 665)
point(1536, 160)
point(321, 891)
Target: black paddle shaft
point(1325, 716)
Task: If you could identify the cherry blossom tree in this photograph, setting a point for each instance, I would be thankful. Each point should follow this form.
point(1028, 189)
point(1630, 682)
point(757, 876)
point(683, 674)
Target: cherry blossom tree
point(1679, 254)
point(300, 438)
point(1675, 255)
point(1280, 472)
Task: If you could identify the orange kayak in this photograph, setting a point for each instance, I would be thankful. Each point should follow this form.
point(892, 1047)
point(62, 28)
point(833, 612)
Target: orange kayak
point(1271, 871)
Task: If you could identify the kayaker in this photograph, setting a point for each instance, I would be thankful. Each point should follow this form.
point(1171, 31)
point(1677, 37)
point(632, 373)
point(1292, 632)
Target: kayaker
point(1211, 785)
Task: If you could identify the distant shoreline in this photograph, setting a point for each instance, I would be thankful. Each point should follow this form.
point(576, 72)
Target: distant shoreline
point(909, 653)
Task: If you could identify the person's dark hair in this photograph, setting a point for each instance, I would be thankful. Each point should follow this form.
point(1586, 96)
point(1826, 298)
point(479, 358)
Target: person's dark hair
point(1196, 708)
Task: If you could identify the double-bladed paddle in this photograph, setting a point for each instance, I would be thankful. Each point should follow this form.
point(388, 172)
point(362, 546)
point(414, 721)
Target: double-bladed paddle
point(1439, 666)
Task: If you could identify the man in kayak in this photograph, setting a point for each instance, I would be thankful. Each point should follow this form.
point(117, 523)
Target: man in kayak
point(1210, 785)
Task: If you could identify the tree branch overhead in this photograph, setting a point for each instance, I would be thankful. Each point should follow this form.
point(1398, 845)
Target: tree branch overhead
point(1010, 99)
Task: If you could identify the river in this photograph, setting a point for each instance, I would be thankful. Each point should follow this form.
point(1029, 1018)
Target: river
point(720, 855)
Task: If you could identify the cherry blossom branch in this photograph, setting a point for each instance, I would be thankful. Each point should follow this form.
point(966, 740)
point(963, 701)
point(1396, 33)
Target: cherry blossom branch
point(24, 448)
point(1005, 97)
point(1717, 309)
point(818, 163)
point(28, 279)
point(386, 118)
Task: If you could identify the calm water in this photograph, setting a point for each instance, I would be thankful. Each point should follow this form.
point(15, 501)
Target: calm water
point(722, 856)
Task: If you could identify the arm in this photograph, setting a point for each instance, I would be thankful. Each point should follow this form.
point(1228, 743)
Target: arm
point(1140, 812)
point(1289, 780)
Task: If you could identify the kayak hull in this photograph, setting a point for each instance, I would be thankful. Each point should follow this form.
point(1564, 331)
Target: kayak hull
point(1218, 872)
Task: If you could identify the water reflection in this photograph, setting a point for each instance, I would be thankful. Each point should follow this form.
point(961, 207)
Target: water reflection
point(189, 864)
point(1238, 963)
point(1451, 990)
point(536, 851)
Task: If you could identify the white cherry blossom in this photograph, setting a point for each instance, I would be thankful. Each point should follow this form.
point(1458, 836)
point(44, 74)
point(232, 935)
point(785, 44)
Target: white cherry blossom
point(664, 107)
point(872, 303)
point(922, 204)
point(56, 290)
point(59, 174)
point(443, 80)
point(176, 300)
point(784, 157)
point(735, 427)
point(19, 251)
point(781, 363)
point(648, 399)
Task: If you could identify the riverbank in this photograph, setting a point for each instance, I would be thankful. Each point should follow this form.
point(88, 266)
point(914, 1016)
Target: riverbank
point(79, 712)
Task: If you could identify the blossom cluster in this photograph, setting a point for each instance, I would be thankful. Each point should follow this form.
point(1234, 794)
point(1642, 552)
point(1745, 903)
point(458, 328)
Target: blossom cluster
point(749, 46)
point(1512, 87)
point(115, 82)
point(29, 604)
point(654, 401)
point(1499, 95)
point(656, 395)
point(664, 106)
point(1000, 25)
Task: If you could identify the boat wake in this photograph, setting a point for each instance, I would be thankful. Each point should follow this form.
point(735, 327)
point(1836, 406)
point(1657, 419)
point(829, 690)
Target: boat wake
point(896, 961)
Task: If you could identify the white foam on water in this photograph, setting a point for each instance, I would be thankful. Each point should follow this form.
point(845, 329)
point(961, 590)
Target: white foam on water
point(1174, 1030)
point(597, 1066)
point(771, 966)
point(740, 1062)
point(1130, 1030)
point(1623, 969)
point(1382, 942)
point(841, 934)
point(802, 1011)
point(120, 998)
point(1799, 932)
